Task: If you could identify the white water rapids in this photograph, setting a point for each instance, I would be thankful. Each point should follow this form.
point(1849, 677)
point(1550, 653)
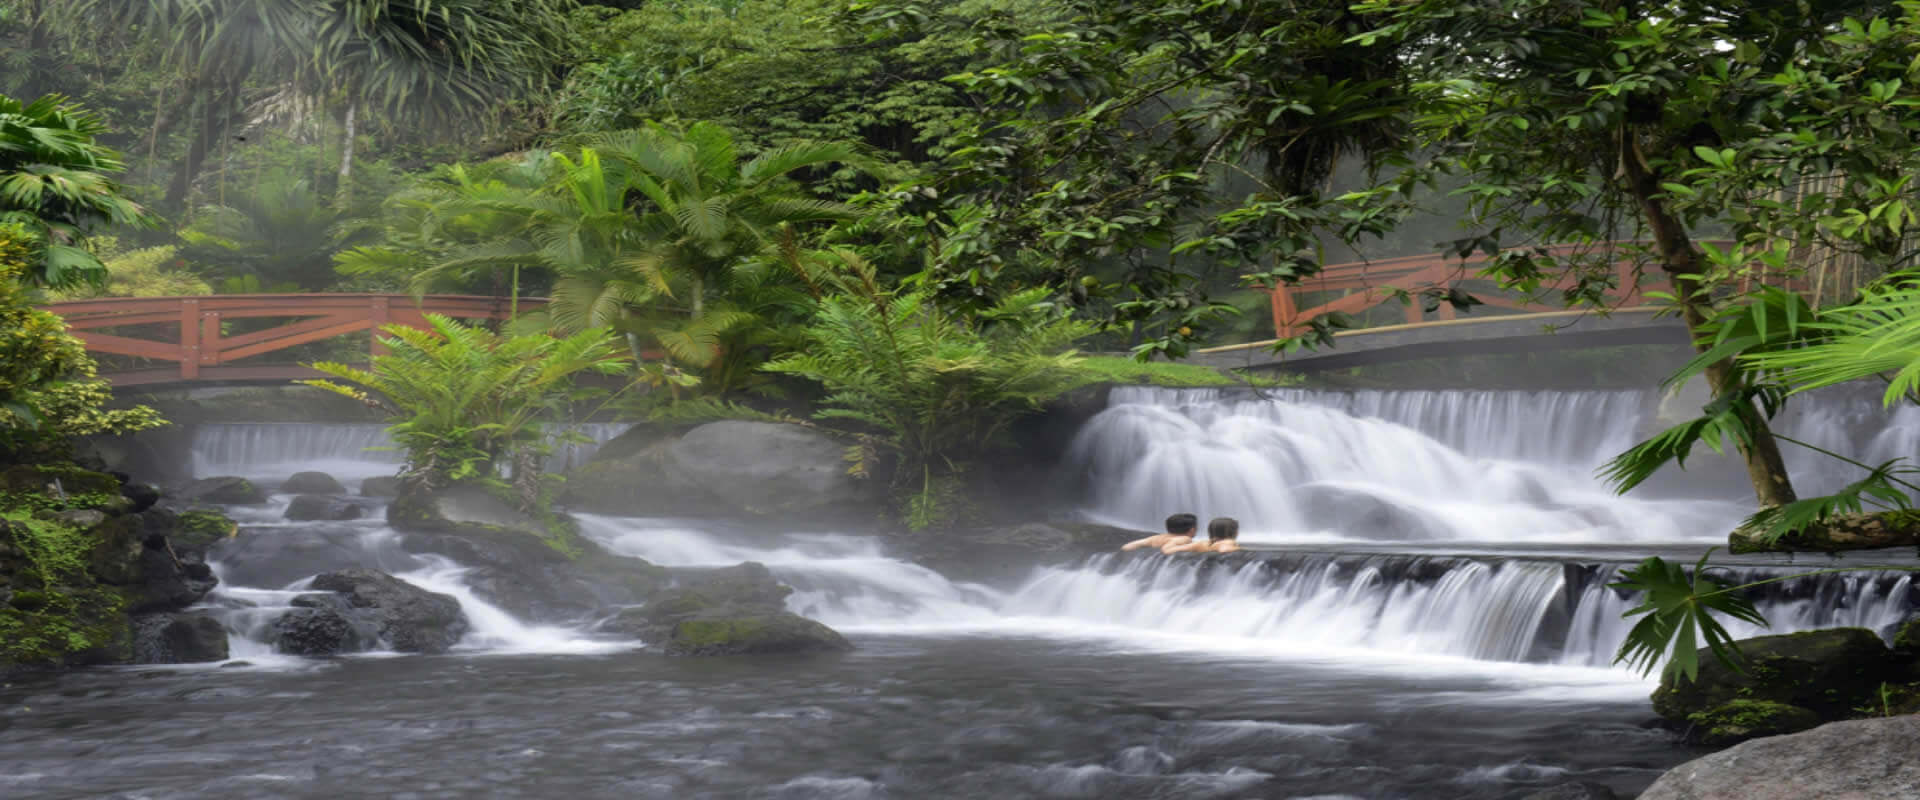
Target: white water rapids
point(1502, 471)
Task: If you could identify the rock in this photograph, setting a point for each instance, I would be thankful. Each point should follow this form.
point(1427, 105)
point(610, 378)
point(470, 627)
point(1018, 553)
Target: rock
point(1578, 790)
point(190, 638)
point(727, 468)
point(1860, 531)
point(308, 507)
point(1364, 514)
point(380, 486)
point(1906, 639)
point(225, 491)
point(78, 518)
point(408, 618)
point(277, 556)
point(533, 571)
point(1739, 720)
point(1009, 553)
point(1868, 759)
point(199, 530)
point(141, 495)
point(132, 553)
point(1829, 672)
point(67, 480)
point(736, 610)
point(322, 625)
point(312, 483)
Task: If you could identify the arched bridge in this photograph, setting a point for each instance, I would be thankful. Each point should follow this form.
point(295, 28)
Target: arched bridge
point(1507, 322)
point(194, 335)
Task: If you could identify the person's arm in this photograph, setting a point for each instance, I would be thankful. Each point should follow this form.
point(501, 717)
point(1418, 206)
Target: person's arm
point(1184, 547)
point(1228, 546)
point(1139, 543)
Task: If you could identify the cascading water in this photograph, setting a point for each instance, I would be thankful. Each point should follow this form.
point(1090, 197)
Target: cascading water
point(274, 450)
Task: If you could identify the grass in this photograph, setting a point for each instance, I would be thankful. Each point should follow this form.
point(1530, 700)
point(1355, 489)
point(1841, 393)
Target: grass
point(1115, 369)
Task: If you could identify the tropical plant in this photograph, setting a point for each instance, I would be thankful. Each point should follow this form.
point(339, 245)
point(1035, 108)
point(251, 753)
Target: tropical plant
point(929, 387)
point(48, 392)
point(469, 405)
point(145, 272)
point(54, 184)
point(280, 230)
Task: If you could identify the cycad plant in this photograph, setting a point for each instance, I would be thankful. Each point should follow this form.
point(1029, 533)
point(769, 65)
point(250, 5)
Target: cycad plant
point(931, 387)
point(469, 405)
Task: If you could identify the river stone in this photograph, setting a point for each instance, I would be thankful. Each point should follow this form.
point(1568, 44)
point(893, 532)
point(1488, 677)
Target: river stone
point(309, 507)
point(323, 625)
point(1867, 759)
point(225, 490)
point(409, 619)
point(141, 495)
point(1829, 672)
point(190, 638)
point(381, 486)
point(312, 483)
point(738, 610)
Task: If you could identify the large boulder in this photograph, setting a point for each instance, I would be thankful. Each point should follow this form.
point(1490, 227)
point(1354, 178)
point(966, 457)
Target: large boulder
point(323, 625)
point(311, 507)
point(1867, 759)
point(225, 491)
point(277, 556)
point(545, 572)
point(408, 618)
point(1739, 720)
point(189, 638)
point(312, 483)
point(1828, 672)
point(133, 554)
point(736, 610)
point(727, 468)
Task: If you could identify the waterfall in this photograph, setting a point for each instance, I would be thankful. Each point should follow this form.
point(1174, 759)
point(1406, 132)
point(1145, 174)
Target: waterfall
point(269, 451)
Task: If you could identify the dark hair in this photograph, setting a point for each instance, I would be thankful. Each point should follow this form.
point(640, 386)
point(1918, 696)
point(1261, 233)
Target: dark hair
point(1182, 523)
point(1222, 528)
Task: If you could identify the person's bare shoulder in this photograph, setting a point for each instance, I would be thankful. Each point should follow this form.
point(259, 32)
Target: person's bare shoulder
point(1155, 540)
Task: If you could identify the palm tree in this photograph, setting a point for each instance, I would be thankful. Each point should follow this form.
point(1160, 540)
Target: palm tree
point(54, 182)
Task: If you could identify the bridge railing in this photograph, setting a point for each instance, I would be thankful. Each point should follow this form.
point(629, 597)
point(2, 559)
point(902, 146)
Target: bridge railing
point(1367, 284)
point(201, 349)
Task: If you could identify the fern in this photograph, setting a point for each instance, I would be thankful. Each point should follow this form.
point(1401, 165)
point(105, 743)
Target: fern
point(1678, 614)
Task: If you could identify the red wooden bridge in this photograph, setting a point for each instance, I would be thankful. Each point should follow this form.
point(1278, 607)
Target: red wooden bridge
point(191, 332)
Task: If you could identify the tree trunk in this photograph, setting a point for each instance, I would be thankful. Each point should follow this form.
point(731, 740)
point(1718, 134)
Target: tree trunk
point(1678, 258)
point(343, 191)
point(189, 167)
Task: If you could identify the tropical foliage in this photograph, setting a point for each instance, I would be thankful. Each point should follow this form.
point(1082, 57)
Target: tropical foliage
point(468, 404)
point(55, 184)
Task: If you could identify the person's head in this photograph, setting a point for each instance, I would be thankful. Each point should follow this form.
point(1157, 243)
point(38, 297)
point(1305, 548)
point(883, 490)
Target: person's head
point(1223, 529)
point(1183, 524)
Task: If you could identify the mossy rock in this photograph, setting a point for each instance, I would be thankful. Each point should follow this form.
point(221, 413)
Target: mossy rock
point(761, 634)
point(1864, 531)
point(199, 530)
point(71, 480)
point(1739, 720)
point(227, 490)
point(1830, 672)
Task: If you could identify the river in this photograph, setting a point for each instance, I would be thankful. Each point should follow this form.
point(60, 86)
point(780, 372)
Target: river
point(1427, 617)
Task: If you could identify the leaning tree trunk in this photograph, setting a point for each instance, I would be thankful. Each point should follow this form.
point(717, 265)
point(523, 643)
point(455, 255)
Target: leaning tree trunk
point(343, 191)
point(1681, 261)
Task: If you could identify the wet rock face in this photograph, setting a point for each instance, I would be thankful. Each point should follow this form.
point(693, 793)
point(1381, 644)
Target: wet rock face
point(1828, 672)
point(736, 610)
point(310, 507)
point(322, 625)
point(1867, 759)
point(225, 491)
point(183, 638)
point(730, 468)
point(133, 553)
point(408, 618)
point(312, 483)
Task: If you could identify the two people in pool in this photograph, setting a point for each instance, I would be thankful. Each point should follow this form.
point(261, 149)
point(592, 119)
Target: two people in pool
point(1223, 534)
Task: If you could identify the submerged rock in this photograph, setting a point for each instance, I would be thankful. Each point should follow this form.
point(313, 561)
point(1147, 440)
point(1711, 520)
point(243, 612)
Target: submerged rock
point(309, 507)
point(727, 468)
point(225, 491)
point(1828, 672)
point(736, 610)
point(1867, 759)
point(185, 638)
point(312, 483)
point(408, 618)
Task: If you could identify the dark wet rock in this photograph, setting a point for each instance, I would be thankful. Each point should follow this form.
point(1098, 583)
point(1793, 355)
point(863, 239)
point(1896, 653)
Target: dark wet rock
point(542, 572)
point(323, 625)
point(738, 610)
point(1363, 514)
point(57, 480)
point(132, 553)
point(188, 638)
point(312, 483)
point(1577, 790)
point(380, 486)
point(197, 531)
point(225, 491)
point(408, 618)
point(1906, 638)
point(277, 556)
point(728, 468)
point(141, 496)
point(1827, 672)
point(1868, 759)
point(309, 507)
